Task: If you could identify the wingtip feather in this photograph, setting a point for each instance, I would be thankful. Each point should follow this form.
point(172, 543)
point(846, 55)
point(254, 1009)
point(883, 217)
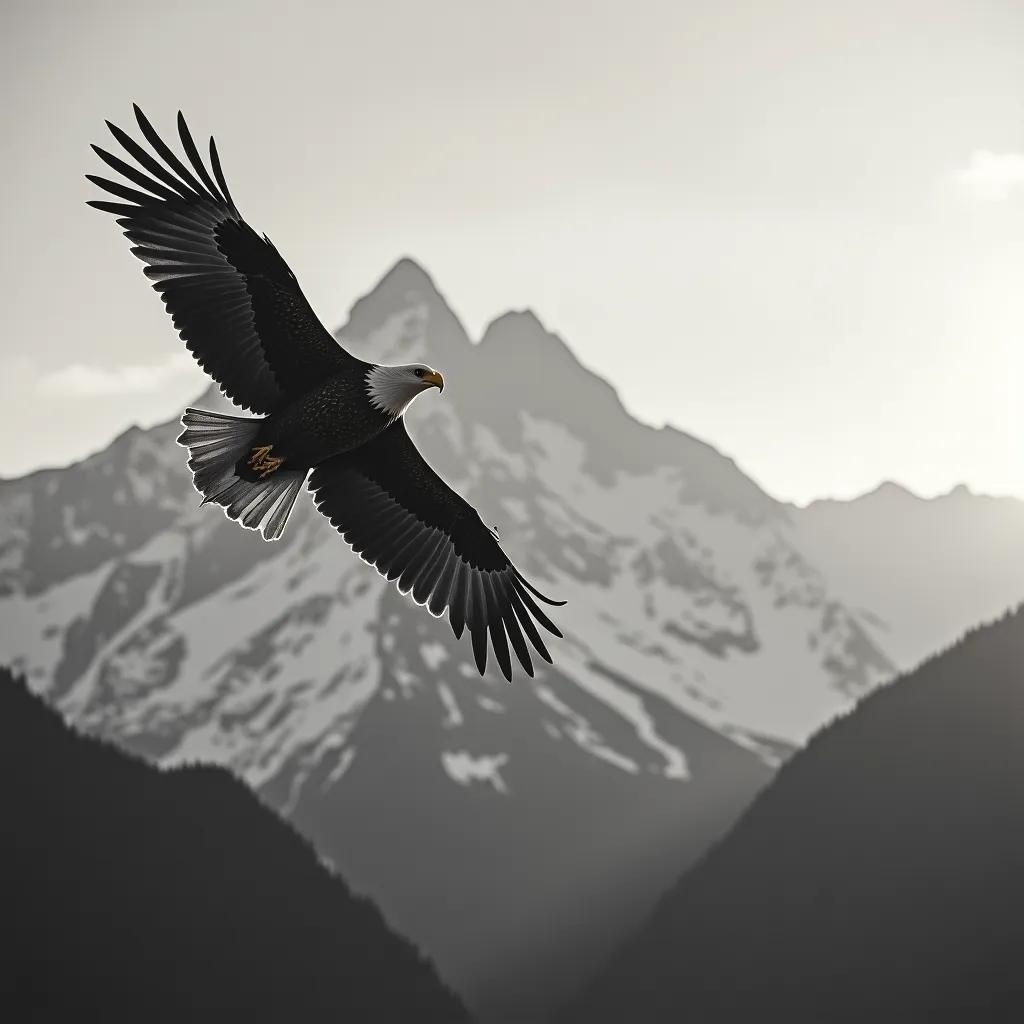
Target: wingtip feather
point(533, 590)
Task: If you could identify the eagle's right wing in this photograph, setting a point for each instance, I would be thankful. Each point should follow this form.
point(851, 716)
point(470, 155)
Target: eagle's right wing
point(403, 519)
point(234, 300)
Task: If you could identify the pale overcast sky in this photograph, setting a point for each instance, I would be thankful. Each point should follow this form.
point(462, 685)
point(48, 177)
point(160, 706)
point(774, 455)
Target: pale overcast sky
point(794, 229)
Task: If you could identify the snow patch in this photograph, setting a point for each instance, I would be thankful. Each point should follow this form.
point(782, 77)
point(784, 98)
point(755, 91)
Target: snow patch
point(465, 769)
point(434, 655)
point(453, 715)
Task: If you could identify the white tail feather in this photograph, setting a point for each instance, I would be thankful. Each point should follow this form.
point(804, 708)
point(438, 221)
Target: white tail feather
point(215, 444)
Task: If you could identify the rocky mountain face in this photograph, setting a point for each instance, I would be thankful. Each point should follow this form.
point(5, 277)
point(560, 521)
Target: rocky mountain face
point(515, 832)
point(876, 879)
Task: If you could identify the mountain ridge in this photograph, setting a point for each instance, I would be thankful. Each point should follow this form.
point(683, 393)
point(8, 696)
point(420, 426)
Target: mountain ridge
point(895, 489)
point(968, 548)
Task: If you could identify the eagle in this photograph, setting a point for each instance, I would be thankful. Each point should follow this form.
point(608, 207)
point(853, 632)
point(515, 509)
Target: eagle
point(321, 413)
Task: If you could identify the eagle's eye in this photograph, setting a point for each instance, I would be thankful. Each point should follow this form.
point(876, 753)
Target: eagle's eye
point(419, 373)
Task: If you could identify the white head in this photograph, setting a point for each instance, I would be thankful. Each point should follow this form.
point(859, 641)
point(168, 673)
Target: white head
point(392, 388)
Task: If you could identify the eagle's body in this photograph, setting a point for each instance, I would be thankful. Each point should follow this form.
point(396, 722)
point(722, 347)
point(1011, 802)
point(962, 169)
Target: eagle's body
point(332, 418)
point(322, 413)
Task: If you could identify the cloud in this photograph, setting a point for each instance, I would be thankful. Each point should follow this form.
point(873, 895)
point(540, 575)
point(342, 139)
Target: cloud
point(81, 381)
point(992, 176)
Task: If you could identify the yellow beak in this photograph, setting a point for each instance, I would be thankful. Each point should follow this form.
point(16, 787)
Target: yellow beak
point(433, 377)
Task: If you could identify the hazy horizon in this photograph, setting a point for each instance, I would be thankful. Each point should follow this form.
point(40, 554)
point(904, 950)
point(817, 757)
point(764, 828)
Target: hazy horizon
point(794, 233)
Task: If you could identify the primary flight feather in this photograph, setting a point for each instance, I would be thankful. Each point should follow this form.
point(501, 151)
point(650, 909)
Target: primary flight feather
point(323, 413)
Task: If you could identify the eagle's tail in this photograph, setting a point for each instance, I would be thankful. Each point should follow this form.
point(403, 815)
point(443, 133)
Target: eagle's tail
point(231, 471)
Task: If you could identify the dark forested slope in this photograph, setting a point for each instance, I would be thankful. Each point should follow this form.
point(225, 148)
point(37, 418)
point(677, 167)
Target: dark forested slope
point(131, 894)
point(879, 878)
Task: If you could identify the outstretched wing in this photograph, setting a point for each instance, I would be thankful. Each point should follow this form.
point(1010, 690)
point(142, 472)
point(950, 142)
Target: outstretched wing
point(233, 299)
point(403, 519)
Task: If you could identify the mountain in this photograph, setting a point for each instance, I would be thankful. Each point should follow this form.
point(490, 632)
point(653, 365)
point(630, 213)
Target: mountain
point(133, 894)
point(877, 879)
point(515, 832)
point(962, 550)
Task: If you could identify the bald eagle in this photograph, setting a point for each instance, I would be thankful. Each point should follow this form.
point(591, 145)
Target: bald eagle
point(322, 413)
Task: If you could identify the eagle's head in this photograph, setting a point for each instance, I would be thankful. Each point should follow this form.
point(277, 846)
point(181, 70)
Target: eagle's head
point(392, 388)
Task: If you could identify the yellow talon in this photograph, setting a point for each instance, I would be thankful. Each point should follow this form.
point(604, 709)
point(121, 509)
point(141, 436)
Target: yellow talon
point(262, 462)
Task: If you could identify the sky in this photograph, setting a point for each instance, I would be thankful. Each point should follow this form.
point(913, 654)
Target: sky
point(794, 229)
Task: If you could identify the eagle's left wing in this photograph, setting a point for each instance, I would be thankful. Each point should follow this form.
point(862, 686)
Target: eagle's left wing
point(235, 302)
point(403, 519)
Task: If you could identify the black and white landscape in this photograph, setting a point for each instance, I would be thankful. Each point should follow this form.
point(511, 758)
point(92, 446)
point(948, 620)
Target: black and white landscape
point(515, 833)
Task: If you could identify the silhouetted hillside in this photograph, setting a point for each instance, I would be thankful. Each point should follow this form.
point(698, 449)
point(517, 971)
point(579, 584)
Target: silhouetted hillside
point(130, 894)
point(879, 878)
